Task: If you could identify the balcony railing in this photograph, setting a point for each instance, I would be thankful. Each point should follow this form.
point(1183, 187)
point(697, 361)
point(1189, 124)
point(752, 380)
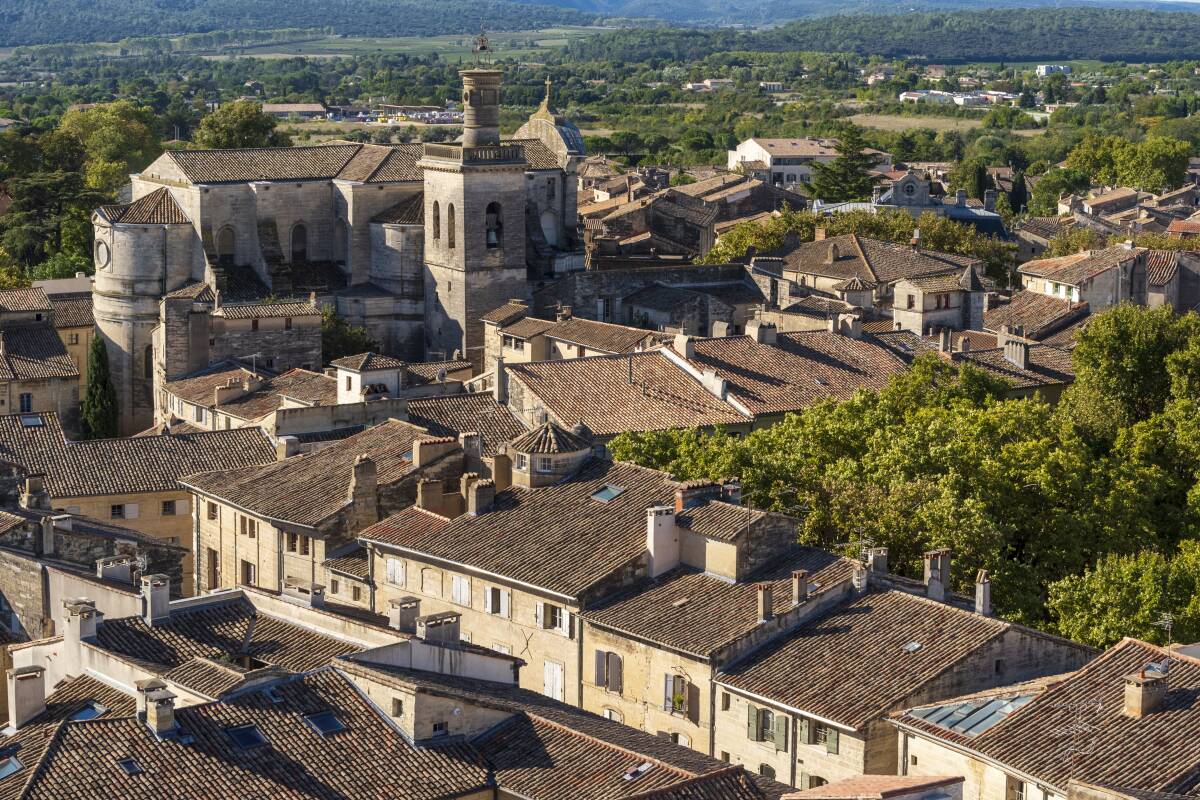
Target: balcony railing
point(487, 154)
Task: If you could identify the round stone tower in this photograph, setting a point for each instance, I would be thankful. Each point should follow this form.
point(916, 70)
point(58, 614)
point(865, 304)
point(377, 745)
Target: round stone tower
point(481, 107)
point(137, 249)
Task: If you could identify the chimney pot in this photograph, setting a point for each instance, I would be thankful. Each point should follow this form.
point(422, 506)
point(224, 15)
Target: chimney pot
point(819, 234)
point(799, 586)
point(26, 695)
point(877, 559)
point(403, 613)
point(684, 346)
point(160, 712)
point(766, 608)
point(145, 686)
point(156, 599)
point(937, 573)
point(983, 593)
point(662, 540)
point(1144, 693)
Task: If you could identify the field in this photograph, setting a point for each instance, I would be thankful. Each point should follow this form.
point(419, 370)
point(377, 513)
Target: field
point(520, 44)
point(900, 122)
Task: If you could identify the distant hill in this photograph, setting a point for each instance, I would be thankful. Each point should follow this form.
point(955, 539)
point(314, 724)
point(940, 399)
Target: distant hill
point(53, 21)
point(991, 35)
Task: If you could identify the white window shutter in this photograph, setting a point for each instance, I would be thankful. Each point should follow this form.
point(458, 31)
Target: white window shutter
point(504, 600)
point(487, 600)
point(539, 613)
point(668, 683)
point(568, 624)
point(131, 511)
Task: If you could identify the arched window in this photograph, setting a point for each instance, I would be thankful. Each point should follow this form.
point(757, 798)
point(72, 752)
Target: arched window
point(437, 221)
point(148, 362)
point(299, 244)
point(495, 226)
point(226, 245)
point(450, 225)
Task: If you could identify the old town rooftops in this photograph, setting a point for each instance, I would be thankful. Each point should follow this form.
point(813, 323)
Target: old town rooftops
point(473, 412)
point(260, 394)
point(306, 490)
point(1156, 752)
point(872, 260)
point(156, 208)
point(36, 443)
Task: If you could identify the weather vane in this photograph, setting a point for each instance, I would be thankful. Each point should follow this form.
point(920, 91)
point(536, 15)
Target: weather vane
point(481, 43)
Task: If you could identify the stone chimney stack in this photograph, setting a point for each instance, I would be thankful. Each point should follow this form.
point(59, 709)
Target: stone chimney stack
point(26, 695)
point(1016, 352)
point(403, 613)
point(662, 539)
point(983, 593)
point(82, 621)
point(937, 573)
point(762, 332)
point(115, 568)
point(144, 687)
point(156, 599)
point(960, 198)
point(832, 254)
point(799, 586)
point(766, 607)
point(1144, 693)
point(481, 494)
point(916, 239)
point(684, 346)
point(819, 234)
point(364, 493)
point(500, 382)
point(45, 540)
point(877, 560)
point(34, 496)
point(160, 712)
point(443, 627)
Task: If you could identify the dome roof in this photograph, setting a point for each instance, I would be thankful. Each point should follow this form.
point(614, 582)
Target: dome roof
point(549, 438)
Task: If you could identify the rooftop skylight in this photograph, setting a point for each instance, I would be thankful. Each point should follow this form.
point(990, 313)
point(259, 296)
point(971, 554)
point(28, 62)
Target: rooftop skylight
point(608, 493)
point(325, 723)
point(90, 710)
point(130, 766)
point(246, 737)
point(8, 766)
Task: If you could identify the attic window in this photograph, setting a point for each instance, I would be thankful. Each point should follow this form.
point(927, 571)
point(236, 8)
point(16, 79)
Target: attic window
point(680, 603)
point(90, 711)
point(325, 723)
point(130, 766)
point(911, 647)
point(31, 421)
point(633, 773)
point(608, 493)
point(246, 737)
point(9, 765)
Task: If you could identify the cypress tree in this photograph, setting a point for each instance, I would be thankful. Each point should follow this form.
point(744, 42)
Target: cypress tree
point(847, 177)
point(100, 402)
point(1019, 197)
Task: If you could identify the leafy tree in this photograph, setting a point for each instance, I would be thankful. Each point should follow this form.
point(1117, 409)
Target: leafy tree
point(100, 403)
point(1056, 182)
point(240, 124)
point(117, 138)
point(971, 176)
point(45, 204)
point(1074, 240)
point(62, 265)
point(339, 338)
point(847, 177)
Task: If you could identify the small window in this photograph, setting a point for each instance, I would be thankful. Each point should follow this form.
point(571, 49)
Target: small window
point(725, 756)
point(116, 511)
point(349, 386)
point(395, 571)
point(73, 338)
point(246, 737)
point(912, 302)
point(253, 324)
point(210, 511)
point(168, 508)
point(291, 542)
point(460, 590)
point(441, 728)
point(287, 323)
point(26, 403)
point(912, 760)
point(335, 587)
point(614, 715)
point(356, 593)
point(304, 545)
point(724, 701)
point(325, 723)
point(31, 421)
point(545, 464)
point(1000, 666)
point(522, 462)
point(608, 493)
point(397, 706)
point(90, 710)
point(129, 766)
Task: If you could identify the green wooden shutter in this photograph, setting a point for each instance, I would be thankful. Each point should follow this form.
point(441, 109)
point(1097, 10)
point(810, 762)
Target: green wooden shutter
point(831, 740)
point(780, 732)
point(802, 732)
point(751, 723)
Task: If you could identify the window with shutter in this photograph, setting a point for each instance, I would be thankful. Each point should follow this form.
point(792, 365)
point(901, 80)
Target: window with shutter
point(539, 614)
point(613, 673)
point(751, 723)
point(395, 571)
point(692, 703)
point(131, 511)
point(601, 668)
point(779, 735)
point(831, 741)
point(802, 732)
point(504, 603)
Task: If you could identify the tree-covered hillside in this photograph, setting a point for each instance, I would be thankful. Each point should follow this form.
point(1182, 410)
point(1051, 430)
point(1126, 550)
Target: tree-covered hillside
point(991, 35)
point(47, 21)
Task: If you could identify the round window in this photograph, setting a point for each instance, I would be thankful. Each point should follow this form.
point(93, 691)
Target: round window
point(102, 255)
point(910, 188)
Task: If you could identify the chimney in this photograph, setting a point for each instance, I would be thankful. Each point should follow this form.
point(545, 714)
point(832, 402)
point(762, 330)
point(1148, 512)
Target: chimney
point(443, 627)
point(945, 337)
point(731, 491)
point(429, 495)
point(1144, 692)
point(156, 599)
point(850, 325)
point(684, 346)
point(26, 695)
point(860, 577)
point(819, 234)
point(564, 313)
point(766, 607)
point(45, 540)
point(691, 494)
point(82, 621)
point(403, 613)
point(144, 687)
point(964, 345)
point(937, 573)
point(799, 586)
point(762, 332)
point(832, 254)
point(662, 539)
point(720, 329)
point(472, 446)
point(960, 197)
point(286, 447)
point(363, 493)
point(115, 568)
point(983, 593)
point(916, 239)
point(299, 591)
point(877, 560)
point(989, 200)
point(1016, 353)
point(500, 382)
point(34, 496)
point(160, 712)
point(480, 497)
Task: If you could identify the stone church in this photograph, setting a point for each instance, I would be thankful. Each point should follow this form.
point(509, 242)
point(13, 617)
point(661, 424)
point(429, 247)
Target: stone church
point(414, 242)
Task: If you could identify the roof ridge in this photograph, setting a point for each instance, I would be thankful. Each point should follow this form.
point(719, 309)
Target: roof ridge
point(732, 769)
point(604, 742)
point(174, 153)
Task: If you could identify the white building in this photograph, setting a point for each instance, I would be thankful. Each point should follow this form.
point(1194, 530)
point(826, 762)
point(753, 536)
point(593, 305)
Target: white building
point(787, 162)
point(1050, 69)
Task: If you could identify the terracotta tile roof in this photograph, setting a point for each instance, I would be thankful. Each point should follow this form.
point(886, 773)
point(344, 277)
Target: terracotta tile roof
point(556, 537)
point(30, 743)
point(549, 438)
point(475, 412)
point(690, 611)
point(365, 362)
point(266, 310)
point(309, 488)
point(527, 327)
point(156, 208)
point(177, 428)
point(34, 351)
point(1161, 266)
point(826, 669)
point(1038, 314)
point(317, 162)
point(1077, 268)
point(613, 394)
point(660, 297)
point(33, 299)
point(1184, 226)
point(799, 370)
point(73, 310)
point(602, 336)
point(507, 313)
point(819, 307)
point(1048, 366)
point(1158, 752)
point(875, 787)
point(1068, 337)
point(200, 291)
point(220, 631)
point(967, 280)
point(208, 677)
point(313, 388)
point(124, 466)
point(1046, 228)
point(351, 559)
point(383, 164)
point(427, 371)
point(369, 759)
point(1111, 198)
point(871, 260)
point(406, 212)
point(799, 147)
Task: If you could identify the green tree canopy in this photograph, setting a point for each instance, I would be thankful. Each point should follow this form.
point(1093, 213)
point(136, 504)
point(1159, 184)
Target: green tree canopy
point(239, 124)
point(339, 338)
point(847, 177)
point(117, 138)
point(100, 419)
